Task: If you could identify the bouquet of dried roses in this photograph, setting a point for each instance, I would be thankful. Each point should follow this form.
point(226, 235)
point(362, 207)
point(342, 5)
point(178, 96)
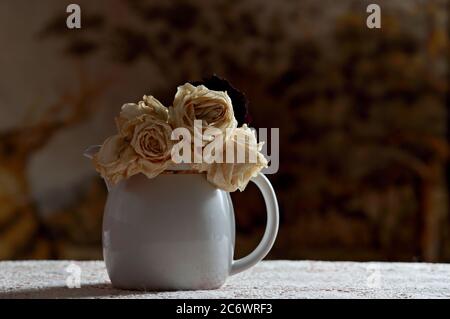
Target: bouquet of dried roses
point(145, 141)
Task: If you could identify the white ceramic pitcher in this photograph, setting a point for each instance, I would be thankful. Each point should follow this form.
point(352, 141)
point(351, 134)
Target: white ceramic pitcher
point(176, 232)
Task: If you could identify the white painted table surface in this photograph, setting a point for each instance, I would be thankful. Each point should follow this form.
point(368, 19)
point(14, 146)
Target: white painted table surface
point(269, 279)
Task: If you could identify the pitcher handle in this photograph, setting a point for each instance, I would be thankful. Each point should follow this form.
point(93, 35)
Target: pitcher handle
point(271, 231)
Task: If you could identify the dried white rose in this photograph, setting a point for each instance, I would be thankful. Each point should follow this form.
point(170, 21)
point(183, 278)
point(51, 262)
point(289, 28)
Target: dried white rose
point(236, 175)
point(114, 159)
point(213, 108)
point(151, 141)
point(143, 145)
point(131, 112)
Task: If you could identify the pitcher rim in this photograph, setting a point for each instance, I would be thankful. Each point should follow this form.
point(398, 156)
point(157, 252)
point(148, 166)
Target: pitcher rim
point(182, 168)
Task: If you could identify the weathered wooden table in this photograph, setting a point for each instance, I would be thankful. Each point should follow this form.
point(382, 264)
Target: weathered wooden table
point(269, 279)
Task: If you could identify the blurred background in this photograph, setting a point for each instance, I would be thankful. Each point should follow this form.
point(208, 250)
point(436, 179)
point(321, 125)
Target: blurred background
point(363, 117)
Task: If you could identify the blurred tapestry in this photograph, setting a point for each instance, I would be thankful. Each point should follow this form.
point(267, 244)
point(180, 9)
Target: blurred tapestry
point(362, 114)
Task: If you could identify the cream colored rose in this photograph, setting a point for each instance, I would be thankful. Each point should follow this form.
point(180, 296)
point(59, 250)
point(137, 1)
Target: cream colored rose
point(151, 141)
point(114, 159)
point(213, 108)
point(145, 148)
point(131, 112)
point(236, 175)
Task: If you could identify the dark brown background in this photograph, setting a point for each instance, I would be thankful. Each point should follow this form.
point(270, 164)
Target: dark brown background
point(362, 116)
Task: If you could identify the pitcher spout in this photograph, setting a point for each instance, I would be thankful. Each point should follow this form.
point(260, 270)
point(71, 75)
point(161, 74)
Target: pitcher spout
point(89, 153)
